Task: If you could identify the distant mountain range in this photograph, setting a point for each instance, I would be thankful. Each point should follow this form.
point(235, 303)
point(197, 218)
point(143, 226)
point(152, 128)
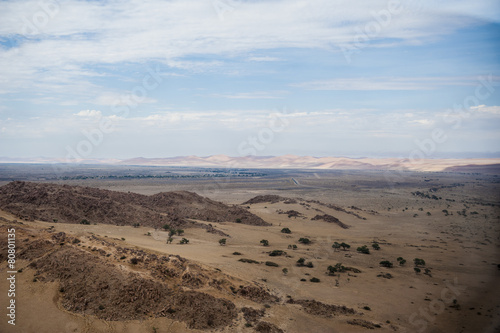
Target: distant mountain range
point(483, 165)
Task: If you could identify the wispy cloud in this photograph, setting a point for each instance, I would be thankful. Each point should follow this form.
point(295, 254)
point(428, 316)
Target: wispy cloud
point(387, 83)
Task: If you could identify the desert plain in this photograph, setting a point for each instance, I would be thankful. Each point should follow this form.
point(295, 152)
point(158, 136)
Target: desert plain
point(83, 268)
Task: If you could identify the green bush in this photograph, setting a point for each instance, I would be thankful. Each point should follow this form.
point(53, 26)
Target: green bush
point(286, 231)
point(419, 262)
point(363, 249)
point(304, 240)
point(386, 263)
point(315, 280)
point(264, 242)
point(184, 241)
point(276, 253)
point(270, 263)
point(376, 246)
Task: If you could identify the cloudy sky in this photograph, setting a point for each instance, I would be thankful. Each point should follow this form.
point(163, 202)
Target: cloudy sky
point(122, 79)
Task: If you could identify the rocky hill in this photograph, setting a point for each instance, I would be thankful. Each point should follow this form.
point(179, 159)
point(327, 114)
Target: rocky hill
point(73, 204)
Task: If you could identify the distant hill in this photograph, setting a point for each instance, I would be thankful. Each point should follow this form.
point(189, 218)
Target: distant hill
point(72, 204)
point(488, 165)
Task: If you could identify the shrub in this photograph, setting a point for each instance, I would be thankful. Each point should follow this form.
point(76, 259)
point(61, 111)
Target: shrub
point(286, 231)
point(363, 249)
point(386, 263)
point(276, 253)
point(166, 227)
point(416, 269)
point(123, 238)
point(310, 264)
point(184, 241)
point(236, 253)
point(367, 308)
point(304, 240)
point(136, 225)
point(222, 241)
point(303, 280)
point(270, 263)
point(315, 280)
point(180, 232)
point(376, 246)
point(84, 221)
point(336, 246)
point(419, 262)
point(264, 242)
point(401, 261)
point(134, 261)
point(285, 271)
point(123, 257)
point(250, 261)
point(238, 220)
point(170, 239)
point(301, 262)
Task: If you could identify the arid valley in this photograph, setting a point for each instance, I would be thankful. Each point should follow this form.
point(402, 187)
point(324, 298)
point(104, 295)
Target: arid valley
point(98, 249)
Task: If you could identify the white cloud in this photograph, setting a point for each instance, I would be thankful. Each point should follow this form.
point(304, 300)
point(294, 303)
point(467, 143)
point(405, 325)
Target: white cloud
point(130, 31)
point(263, 58)
point(89, 113)
point(495, 110)
point(387, 83)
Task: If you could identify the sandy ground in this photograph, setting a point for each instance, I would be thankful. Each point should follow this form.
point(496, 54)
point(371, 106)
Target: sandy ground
point(462, 253)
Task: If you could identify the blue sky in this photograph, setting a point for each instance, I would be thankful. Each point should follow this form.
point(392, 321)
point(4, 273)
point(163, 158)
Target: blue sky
point(121, 79)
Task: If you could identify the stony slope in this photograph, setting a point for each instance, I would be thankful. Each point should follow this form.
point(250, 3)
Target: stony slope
point(72, 204)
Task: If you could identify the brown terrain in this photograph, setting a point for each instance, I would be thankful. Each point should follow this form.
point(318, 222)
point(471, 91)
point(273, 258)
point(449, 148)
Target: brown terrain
point(115, 272)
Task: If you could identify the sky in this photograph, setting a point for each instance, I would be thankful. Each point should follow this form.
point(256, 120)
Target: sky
point(123, 79)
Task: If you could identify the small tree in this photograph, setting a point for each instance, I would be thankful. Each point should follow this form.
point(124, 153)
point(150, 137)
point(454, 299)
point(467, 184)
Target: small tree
point(171, 232)
point(417, 270)
point(286, 231)
point(238, 220)
point(264, 242)
point(222, 241)
point(285, 271)
point(345, 246)
point(136, 225)
point(169, 240)
point(376, 246)
point(401, 261)
point(180, 232)
point(336, 246)
point(184, 241)
point(166, 227)
point(300, 262)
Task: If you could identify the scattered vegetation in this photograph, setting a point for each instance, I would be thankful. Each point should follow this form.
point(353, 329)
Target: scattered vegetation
point(84, 221)
point(293, 247)
point(285, 271)
point(376, 246)
point(401, 261)
point(222, 241)
point(264, 242)
point(184, 241)
point(416, 269)
point(315, 280)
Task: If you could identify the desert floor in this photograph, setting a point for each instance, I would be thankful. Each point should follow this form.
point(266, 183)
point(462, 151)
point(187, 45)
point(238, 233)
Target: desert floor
point(460, 248)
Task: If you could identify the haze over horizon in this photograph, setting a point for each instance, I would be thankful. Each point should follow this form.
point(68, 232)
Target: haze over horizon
point(179, 78)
